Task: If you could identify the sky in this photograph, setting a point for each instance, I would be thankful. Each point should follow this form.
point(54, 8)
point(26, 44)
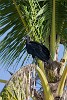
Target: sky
point(4, 74)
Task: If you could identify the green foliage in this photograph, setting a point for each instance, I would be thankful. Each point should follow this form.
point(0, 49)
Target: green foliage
point(18, 86)
point(3, 81)
point(40, 19)
point(33, 17)
point(7, 94)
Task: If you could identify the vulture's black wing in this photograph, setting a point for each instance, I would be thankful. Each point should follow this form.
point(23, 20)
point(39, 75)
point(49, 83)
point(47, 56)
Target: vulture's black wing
point(39, 51)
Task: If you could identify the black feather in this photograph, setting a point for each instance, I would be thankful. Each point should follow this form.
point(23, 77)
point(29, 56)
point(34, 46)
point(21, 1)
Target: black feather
point(37, 50)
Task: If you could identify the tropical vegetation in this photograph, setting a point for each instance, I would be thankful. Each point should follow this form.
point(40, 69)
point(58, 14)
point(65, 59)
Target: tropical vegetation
point(45, 21)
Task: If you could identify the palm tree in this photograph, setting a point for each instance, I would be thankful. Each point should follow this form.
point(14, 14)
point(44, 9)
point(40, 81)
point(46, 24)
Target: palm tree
point(44, 20)
point(20, 86)
point(39, 19)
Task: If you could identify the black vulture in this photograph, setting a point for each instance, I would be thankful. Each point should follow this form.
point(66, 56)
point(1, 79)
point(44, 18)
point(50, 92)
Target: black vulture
point(37, 50)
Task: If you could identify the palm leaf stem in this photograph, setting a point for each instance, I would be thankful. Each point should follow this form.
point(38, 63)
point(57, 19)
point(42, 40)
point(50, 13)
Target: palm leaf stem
point(41, 65)
point(63, 63)
point(20, 15)
point(3, 81)
point(53, 33)
point(62, 81)
point(47, 93)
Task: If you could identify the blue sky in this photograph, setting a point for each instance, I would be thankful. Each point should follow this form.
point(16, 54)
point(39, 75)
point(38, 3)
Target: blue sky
point(4, 74)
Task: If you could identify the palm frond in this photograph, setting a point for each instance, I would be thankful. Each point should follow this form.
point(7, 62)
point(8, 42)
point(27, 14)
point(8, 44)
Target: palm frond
point(34, 17)
point(61, 20)
point(13, 30)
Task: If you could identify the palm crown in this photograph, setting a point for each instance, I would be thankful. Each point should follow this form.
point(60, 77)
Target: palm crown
point(40, 19)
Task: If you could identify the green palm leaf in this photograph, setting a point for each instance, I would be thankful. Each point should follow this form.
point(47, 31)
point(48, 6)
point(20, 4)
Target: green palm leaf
point(61, 20)
point(34, 17)
point(12, 45)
